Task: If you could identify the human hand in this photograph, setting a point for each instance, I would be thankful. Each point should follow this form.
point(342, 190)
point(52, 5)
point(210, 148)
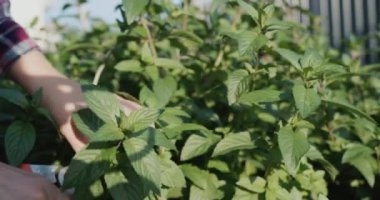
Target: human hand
point(18, 184)
point(76, 139)
point(61, 95)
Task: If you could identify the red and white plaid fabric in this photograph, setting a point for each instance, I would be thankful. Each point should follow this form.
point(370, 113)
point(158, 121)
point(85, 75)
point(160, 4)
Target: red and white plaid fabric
point(14, 41)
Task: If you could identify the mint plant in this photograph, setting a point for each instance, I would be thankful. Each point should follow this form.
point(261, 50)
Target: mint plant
point(238, 104)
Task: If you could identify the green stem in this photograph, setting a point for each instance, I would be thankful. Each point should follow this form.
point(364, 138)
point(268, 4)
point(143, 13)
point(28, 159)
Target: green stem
point(144, 23)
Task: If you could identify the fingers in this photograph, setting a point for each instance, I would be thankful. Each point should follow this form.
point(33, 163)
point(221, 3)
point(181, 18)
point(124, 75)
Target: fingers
point(128, 106)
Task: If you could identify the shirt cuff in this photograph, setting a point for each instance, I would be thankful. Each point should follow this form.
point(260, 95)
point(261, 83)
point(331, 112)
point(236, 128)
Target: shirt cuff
point(14, 42)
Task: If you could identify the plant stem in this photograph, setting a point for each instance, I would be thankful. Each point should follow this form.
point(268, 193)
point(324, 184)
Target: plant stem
point(144, 23)
point(185, 20)
point(98, 73)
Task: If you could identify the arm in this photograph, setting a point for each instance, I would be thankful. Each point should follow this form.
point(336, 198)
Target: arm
point(61, 95)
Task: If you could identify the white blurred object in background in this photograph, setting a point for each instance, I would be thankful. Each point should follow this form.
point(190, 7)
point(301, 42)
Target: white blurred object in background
point(202, 4)
point(25, 12)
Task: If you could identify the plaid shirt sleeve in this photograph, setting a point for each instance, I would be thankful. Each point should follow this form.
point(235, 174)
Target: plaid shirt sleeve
point(14, 41)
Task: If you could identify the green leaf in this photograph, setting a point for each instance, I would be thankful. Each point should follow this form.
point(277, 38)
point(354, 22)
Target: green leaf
point(134, 8)
point(249, 41)
point(366, 169)
point(37, 98)
point(158, 136)
point(315, 155)
point(46, 113)
point(261, 96)
point(357, 151)
point(108, 132)
point(103, 103)
point(244, 195)
point(292, 57)
point(250, 10)
point(307, 100)
point(257, 184)
point(232, 142)
point(148, 98)
point(329, 70)
point(122, 187)
point(19, 141)
point(218, 165)
point(197, 144)
point(129, 66)
point(197, 176)
point(311, 59)
point(145, 162)
point(360, 157)
point(322, 197)
point(274, 24)
point(293, 146)
point(173, 117)
point(95, 190)
point(348, 107)
point(87, 122)
point(88, 165)
point(186, 34)
point(171, 174)
point(211, 192)
point(238, 83)
point(173, 131)
point(14, 97)
point(140, 119)
point(146, 54)
point(168, 63)
point(185, 127)
point(187, 38)
point(206, 184)
point(164, 90)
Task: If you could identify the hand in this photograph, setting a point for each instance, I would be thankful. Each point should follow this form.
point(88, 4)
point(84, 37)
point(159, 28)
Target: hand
point(18, 184)
point(76, 139)
point(61, 95)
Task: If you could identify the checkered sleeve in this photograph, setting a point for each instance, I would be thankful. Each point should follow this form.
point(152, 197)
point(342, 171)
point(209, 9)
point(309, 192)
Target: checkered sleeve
point(14, 41)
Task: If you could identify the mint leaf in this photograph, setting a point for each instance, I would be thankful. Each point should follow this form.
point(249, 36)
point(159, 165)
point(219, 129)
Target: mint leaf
point(108, 132)
point(164, 89)
point(261, 96)
point(197, 144)
point(140, 119)
point(129, 66)
point(19, 141)
point(307, 100)
point(103, 103)
point(361, 158)
point(88, 165)
point(293, 146)
point(250, 10)
point(87, 122)
point(134, 8)
point(14, 96)
point(238, 83)
point(232, 142)
point(171, 174)
point(122, 187)
point(145, 162)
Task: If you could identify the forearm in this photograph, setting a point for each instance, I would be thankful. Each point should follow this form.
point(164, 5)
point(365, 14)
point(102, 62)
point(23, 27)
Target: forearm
point(61, 95)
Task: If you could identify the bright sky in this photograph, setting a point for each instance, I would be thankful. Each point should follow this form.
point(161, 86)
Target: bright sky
point(104, 9)
point(25, 10)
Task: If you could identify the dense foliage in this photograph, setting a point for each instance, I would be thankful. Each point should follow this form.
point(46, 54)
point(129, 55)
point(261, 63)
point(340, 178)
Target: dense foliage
point(245, 105)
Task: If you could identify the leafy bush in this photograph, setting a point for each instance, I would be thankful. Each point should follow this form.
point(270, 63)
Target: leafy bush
point(245, 105)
